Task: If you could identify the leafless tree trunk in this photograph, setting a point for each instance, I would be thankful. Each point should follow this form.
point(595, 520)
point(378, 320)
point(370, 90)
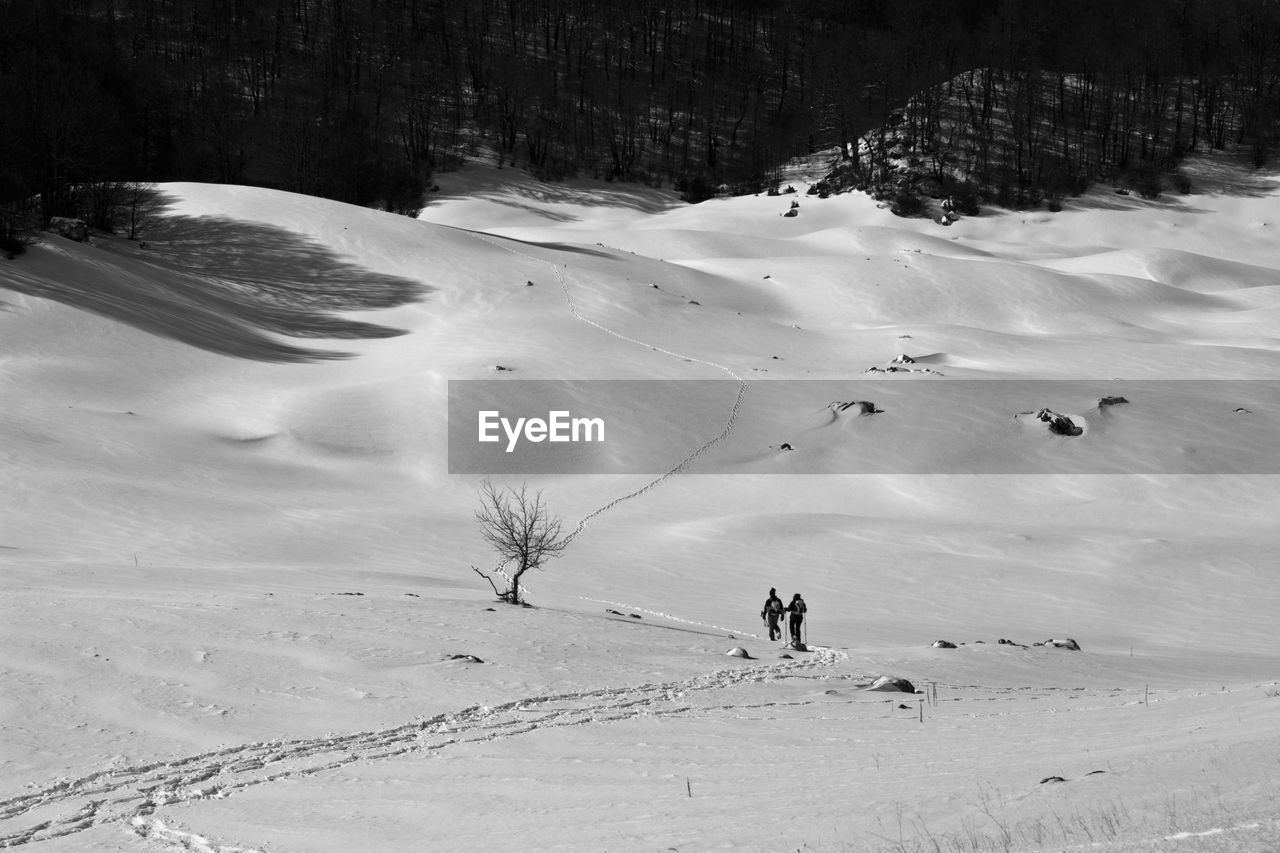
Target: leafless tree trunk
point(521, 529)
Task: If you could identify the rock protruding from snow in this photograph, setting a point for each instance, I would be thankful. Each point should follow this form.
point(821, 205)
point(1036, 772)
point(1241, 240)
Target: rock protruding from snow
point(1069, 644)
point(738, 652)
point(892, 368)
point(1057, 424)
point(72, 229)
point(892, 684)
point(943, 644)
point(1111, 401)
point(862, 407)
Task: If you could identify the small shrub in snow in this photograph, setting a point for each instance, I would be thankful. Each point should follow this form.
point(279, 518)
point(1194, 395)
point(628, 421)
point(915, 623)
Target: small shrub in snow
point(11, 247)
point(906, 203)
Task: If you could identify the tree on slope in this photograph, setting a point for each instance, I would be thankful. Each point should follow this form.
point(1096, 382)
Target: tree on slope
point(522, 530)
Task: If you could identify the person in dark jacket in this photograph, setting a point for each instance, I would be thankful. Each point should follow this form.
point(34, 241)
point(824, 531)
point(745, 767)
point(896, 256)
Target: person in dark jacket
point(771, 613)
point(797, 610)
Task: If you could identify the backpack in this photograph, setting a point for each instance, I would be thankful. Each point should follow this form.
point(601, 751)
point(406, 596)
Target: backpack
point(798, 607)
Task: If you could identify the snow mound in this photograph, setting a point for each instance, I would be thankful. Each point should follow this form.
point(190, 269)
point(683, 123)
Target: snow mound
point(891, 684)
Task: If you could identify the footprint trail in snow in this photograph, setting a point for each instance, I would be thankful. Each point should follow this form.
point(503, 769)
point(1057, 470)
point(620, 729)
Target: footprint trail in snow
point(134, 794)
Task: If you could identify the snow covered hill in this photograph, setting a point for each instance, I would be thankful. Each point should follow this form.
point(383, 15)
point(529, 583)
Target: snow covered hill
point(237, 608)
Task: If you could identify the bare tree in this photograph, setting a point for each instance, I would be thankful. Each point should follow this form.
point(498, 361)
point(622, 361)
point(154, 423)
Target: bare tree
point(521, 529)
point(137, 207)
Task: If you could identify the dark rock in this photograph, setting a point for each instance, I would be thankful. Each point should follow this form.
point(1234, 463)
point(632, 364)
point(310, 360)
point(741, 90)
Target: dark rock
point(466, 658)
point(785, 446)
point(943, 644)
point(1058, 424)
point(792, 212)
point(72, 229)
point(1052, 779)
point(1110, 401)
point(1068, 643)
point(864, 407)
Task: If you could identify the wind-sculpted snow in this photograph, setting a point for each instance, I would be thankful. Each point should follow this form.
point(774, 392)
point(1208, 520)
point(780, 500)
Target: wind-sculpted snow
point(135, 794)
point(683, 463)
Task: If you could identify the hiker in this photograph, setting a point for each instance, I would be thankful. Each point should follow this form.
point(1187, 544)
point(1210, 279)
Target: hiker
point(797, 610)
point(772, 612)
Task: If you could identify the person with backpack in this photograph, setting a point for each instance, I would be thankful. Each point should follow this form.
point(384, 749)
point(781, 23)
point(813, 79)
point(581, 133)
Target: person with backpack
point(797, 610)
point(772, 612)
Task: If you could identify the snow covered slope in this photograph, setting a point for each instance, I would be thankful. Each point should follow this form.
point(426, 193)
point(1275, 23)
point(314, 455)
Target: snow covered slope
point(237, 608)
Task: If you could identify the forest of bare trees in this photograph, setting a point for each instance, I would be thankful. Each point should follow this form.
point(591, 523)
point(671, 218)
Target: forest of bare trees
point(363, 100)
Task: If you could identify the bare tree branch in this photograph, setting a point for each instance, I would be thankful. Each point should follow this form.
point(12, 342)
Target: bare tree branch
point(521, 529)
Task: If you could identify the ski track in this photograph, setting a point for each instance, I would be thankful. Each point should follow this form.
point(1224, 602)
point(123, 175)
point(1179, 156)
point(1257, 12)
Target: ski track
point(134, 794)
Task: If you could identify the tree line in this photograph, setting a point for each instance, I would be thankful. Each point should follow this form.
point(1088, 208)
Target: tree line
point(364, 100)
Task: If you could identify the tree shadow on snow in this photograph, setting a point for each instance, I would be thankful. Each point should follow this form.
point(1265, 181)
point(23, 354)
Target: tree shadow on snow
point(231, 287)
point(524, 192)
